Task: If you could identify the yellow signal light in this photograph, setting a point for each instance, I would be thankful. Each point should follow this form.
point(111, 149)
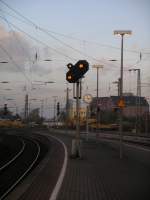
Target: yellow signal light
point(69, 77)
point(81, 66)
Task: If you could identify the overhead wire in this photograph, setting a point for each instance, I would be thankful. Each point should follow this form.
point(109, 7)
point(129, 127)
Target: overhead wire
point(30, 22)
point(38, 41)
point(17, 39)
point(18, 13)
point(15, 17)
point(21, 46)
point(27, 20)
point(41, 42)
point(70, 37)
point(49, 34)
point(67, 45)
point(13, 61)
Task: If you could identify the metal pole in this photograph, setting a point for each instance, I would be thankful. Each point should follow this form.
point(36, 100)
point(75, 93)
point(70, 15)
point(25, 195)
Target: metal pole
point(87, 125)
point(118, 87)
point(54, 109)
point(121, 33)
point(42, 107)
point(137, 108)
point(67, 108)
point(146, 123)
point(76, 143)
point(139, 99)
point(16, 110)
point(77, 138)
point(78, 116)
point(97, 117)
point(97, 94)
point(121, 71)
point(97, 81)
point(26, 107)
point(121, 95)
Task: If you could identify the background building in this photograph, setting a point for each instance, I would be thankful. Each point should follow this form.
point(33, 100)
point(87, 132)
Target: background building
point(134, 105)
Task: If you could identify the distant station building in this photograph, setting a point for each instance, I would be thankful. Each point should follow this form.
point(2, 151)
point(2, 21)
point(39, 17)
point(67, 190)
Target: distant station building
point(72, 111)
point(134, 105)
point(72, 114)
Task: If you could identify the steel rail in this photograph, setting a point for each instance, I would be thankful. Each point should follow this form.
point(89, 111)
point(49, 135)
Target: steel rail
point(23, 175)
point(15, 157)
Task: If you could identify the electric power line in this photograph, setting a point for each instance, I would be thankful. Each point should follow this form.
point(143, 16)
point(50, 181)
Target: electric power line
point(17, 66)
point(21, 46)
point(37, 40)
point(55, 38)
point(30, 22)
point(41, 42)
point(17, 39)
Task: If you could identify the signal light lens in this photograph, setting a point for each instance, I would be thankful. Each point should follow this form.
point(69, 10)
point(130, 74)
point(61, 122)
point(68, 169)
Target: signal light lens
point(70, 65)
point(81, 66)
point(69, 77)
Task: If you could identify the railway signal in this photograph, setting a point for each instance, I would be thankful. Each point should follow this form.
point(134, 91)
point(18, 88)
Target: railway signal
point(77, 71)
point(58, 108)
point(5, 109)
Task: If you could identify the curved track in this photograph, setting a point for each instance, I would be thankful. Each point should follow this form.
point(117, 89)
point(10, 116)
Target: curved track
point(15, 170)
point(14, 157)
point(10, 148)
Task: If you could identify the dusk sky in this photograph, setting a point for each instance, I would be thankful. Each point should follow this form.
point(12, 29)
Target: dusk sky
point(66, 31)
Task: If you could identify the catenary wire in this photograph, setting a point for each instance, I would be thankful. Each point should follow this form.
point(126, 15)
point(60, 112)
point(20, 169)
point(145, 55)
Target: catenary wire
point(38, 41)
point(49, 31)
point(13, 61)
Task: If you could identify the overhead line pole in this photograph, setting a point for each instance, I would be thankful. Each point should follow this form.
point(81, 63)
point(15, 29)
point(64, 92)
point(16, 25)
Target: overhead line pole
point(121, 33)
point(138, 99)
point(98, 66)
point(55, 98)
point(67, 107)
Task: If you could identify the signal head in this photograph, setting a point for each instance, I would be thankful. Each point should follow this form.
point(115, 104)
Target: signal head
point(77, 71)
point(69, 65)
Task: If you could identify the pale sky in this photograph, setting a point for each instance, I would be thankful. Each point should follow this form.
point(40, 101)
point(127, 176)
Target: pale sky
point(67, 31)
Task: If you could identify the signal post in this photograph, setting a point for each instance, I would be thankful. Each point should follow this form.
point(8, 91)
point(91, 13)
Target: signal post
point(74, 75)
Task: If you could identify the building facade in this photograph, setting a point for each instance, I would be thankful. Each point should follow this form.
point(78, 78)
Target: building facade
point(134, 105)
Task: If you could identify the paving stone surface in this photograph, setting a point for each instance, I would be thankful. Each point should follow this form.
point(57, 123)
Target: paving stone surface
point(101, 175)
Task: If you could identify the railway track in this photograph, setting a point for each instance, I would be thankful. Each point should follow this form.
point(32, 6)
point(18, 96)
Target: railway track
point(127, 139)
point(142, 141)
point(10, 147)
point(12, 172)
point(14, 157)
